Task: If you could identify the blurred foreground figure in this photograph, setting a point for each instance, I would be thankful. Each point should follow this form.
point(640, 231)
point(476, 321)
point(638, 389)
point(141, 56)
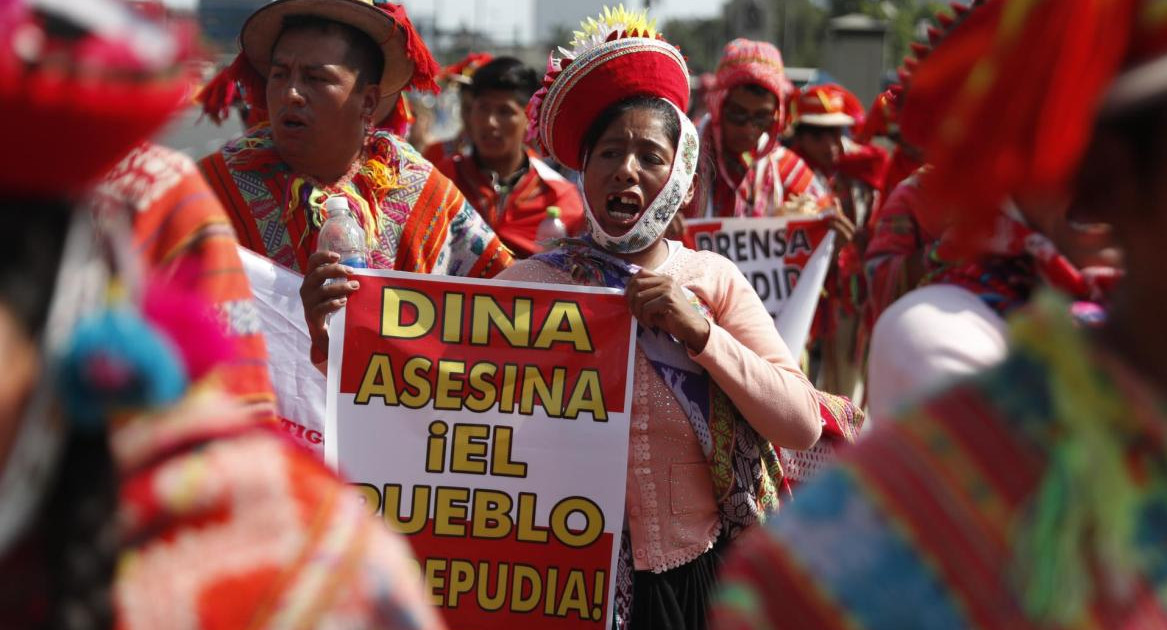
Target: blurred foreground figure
point(134, 491)
point(180, 231)
point(953, 323)
point(1035, 494)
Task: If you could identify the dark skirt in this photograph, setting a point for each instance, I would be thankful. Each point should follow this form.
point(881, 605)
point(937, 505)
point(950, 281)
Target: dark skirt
point(677, 599)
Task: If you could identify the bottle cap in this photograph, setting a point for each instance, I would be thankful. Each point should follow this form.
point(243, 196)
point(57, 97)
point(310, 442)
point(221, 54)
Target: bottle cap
point(553, 212)
point(336, 205)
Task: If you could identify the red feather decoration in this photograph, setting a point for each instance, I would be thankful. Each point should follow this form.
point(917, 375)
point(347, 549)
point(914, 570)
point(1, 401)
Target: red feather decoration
point(1004, 107)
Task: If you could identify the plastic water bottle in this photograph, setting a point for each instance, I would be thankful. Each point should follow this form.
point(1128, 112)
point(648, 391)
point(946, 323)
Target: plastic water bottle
point(550, 229)
point(342, 234)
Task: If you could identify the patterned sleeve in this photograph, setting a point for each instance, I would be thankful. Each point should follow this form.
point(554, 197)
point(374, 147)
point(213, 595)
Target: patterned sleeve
point(182, 232)
point(832, 560)
point(391, 581)
point(444, 234)
point(472, 248)
point(228, 525)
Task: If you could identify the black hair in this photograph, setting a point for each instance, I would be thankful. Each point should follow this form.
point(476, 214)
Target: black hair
point(505, 74)
point(1141, 130)
point(616, 110)
point(364, 55)
point(75, 533)
point(80, 534)
point(805, 128)
point(30, 252)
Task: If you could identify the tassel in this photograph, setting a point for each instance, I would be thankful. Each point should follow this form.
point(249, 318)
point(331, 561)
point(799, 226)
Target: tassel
point(221, 92)
point(425, 68)
point(399, 120)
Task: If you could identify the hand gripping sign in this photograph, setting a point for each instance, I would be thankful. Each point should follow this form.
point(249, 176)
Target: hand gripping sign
point(488, 422)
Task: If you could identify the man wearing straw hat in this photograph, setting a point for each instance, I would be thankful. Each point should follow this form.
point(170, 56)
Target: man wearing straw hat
point(327, 75)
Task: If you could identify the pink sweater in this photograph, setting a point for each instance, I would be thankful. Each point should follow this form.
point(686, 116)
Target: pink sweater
point(672, 513)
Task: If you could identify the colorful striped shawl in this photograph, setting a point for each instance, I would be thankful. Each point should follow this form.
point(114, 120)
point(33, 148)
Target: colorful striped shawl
point(181, 231)
point(415, 218)
point(1034, 495)
point(770, 181)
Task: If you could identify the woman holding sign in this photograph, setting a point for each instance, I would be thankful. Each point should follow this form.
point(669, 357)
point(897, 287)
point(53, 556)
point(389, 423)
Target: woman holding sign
point(716, 389)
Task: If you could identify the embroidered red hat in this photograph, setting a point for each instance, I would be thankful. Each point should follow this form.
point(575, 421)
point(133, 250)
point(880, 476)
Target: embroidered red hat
point(745, 61)
point(110, 84)
point(408, 62)
point(616, 57)
point(826, 105)
point(885, 118)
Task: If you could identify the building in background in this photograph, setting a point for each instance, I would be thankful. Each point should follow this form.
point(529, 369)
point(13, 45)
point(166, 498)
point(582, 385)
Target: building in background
point(855, 54)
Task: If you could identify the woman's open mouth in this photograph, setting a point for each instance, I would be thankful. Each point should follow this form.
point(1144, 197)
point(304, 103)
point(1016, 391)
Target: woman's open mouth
point(623, 207)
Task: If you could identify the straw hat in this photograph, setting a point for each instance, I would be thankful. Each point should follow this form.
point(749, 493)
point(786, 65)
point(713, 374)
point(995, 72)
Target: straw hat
point(261, 30)
point(408, 63)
